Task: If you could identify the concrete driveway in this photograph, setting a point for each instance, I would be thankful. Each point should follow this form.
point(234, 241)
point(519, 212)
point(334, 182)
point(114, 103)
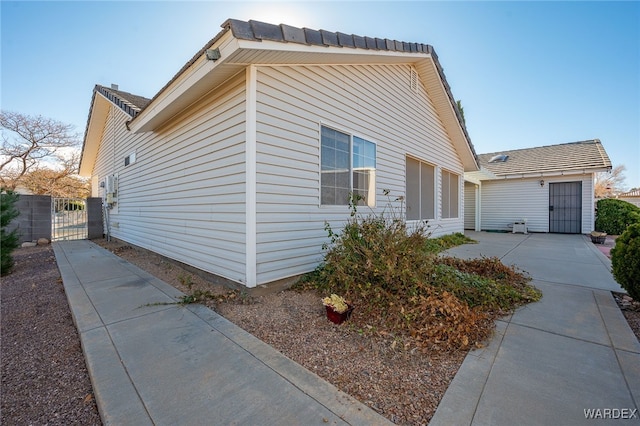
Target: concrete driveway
point(562, 360)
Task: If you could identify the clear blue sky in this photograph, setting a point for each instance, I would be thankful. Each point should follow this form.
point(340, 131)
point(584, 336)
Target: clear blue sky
point(528, 73)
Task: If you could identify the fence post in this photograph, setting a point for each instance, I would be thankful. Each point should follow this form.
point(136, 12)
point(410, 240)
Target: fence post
point(35, 217)
point(94, 218)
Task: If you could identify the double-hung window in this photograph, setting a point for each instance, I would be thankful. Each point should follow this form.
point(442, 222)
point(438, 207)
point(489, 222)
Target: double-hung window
point(420, 190)
point(348, 165)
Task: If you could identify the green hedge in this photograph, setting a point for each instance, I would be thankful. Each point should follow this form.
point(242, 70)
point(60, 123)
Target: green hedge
point(625, 260)
point(8, 240)
point(614, 216)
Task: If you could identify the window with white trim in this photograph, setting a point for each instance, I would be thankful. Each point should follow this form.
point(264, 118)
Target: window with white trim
point(347, 165)
point(450, 195)
point(420, 190)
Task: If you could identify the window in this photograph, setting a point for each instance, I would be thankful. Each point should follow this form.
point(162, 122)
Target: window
point(130, 159)
point(450, 188)
point(348, 165)
point(420, 194)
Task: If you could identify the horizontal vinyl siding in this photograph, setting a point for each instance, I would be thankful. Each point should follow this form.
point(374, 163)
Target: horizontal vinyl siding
point(507, 200)
point(372, 102)
point(588, 204)
point(469, 206)
point(184, 197)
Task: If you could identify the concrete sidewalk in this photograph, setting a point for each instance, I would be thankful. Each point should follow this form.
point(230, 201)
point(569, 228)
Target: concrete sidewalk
point(167, 365)
point(551, 360)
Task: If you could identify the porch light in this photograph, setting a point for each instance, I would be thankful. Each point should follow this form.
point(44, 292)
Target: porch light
point(541, 182)
point(213, 54)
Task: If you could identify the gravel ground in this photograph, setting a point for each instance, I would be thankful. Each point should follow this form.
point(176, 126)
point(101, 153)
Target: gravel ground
point(44, 376)
point(631, 310)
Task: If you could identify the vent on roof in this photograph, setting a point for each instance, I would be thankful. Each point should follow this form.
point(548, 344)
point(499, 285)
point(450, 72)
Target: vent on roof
point(500, 158)
point(414, 80)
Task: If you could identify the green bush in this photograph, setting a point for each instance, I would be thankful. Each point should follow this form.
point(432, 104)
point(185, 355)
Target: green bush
point(436, 245)
point(613, 216)
point(8, 240)
point(625, 260)
point(485, 282)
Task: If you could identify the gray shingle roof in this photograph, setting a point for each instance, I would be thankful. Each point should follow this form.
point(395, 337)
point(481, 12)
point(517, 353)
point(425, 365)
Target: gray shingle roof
point(582, 155)
point(635, 193)
point(255, 30)
point(128, 102)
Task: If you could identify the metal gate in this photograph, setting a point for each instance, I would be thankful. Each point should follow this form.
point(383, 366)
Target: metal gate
point(68, 219)
point(565, 207)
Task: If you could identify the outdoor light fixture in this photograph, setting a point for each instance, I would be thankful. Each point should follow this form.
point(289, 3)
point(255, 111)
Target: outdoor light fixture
point(213, 54)
point(541, 182)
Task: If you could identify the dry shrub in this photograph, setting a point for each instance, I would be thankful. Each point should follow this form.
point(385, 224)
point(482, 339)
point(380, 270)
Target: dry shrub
point(443, 321)
point(402, 289)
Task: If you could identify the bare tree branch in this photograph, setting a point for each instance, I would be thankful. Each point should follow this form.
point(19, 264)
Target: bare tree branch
point(608, 184)
point(27, 140)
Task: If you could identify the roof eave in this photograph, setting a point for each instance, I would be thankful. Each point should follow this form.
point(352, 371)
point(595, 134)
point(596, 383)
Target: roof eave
point(553, 173)
point(239, 48)
point(204, 75)
point(432, 75)
point(98, 113)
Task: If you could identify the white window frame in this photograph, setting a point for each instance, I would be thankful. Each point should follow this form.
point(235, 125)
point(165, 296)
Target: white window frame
point(449, 198)
point(372, 190)
point(421, 215)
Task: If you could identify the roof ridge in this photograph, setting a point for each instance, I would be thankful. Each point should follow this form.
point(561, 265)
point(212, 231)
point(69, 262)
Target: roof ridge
point(580, 155)
point(589, 141)
point(119, 98)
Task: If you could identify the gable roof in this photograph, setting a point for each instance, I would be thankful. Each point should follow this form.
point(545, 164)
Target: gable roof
point(241, 44)
point(128, 102)
point(583, 156)
point(101, 101)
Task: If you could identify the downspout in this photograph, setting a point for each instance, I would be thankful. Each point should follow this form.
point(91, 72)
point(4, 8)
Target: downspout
point(478, 206)
point(251, 177)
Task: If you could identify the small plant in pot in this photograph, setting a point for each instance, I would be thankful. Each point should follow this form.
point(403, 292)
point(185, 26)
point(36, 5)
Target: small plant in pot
point(338, 310)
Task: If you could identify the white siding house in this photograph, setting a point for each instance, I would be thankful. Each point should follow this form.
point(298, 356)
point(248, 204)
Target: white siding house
point(632, 197)
point(236, 164)
point(551, 187)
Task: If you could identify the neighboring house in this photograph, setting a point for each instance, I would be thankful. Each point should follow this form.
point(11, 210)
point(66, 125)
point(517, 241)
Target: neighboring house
point(236, 164)
point(552, 187)
point(632, 197)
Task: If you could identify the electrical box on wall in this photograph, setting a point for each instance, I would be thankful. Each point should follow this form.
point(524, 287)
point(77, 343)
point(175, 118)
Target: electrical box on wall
point(111, 189)
point(112, 184)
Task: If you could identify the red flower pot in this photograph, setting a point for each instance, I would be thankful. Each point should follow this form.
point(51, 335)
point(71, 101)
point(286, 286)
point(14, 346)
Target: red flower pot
point(337, 317)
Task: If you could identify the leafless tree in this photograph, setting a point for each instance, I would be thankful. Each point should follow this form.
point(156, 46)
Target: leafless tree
point(608, 184)
point(30, 141)
point(60, 182)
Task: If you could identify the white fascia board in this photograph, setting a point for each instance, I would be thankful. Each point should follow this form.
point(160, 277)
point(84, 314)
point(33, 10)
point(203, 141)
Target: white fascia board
point(552, 174)
point(449, 117)
point(98, 116)
point(332, 53)
point(167, 101)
